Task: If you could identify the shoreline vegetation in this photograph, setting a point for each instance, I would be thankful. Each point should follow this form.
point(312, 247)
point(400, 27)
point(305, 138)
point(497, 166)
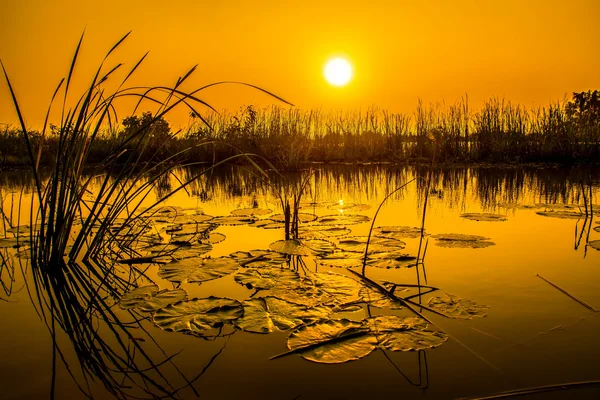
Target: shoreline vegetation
point(499, 133)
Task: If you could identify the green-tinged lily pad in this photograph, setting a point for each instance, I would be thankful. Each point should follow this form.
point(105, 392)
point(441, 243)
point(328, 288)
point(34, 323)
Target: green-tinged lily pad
point(267, 314)
point(377, 299)
point(149, 298)
point(302, 217)
point(594, 244)
point(376, 244)
point(318, 245)
point(562, 214)
point(338, 341)
point(343, 219)
point(391, 259)
point(404, 333)
point(398, 232)
point(197, 269)
point(455, 307)
point(349, 207)
point(341, 259)
point(198, 315)
point(251, 212)
point(333, 341)
point(292, 246)
point(268, 278)
point(459, 240)
point(213, 238)
point(517, 206)
point(267, 224)
point(259, 258)
point(486, 217)
point(232, 220)
point(13, 242)
point(322, 231)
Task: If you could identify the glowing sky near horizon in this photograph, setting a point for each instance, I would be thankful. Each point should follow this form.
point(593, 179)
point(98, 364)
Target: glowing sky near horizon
point(529, 52)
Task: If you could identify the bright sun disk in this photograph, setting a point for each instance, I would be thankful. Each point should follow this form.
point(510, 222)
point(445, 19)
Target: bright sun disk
point(338, 71)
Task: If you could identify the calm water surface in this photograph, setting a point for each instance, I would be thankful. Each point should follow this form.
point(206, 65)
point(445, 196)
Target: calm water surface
point(533, 334)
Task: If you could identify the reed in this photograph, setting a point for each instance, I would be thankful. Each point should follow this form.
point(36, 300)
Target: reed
point(74, 277)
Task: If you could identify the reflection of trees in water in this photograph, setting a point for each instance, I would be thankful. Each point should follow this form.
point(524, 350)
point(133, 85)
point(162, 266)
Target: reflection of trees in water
point(455, 186)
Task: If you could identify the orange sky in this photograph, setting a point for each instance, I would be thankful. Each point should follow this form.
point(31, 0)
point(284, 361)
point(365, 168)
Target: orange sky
point(530, 52)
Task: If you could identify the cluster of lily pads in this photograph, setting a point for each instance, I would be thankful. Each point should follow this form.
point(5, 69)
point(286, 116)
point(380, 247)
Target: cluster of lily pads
point(314, 306)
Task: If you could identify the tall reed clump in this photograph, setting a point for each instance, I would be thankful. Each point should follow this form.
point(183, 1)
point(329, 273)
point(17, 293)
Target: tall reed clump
point(74, 280)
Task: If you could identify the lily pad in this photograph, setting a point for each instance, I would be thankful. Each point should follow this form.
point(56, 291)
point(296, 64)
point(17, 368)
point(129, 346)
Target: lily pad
point(349, 207)
point(459, 240)
point(251, 212)
point(341, 259)
point(302, 217)
point(267, 224)
point(338, 341)
point(197, 269)
point(213, 238)
point(333, 341)
point(198, 315)
point(392, 259)
point(562, 214)
point(404, 333)
point(398, 232)
point(268, 278)
point(458, 308)
point(232, 220)
point(343, 219)
point(487, 217)
point(377, 299)
point(267, 314)
point(376, 244)
point(149, 298)
point(292, 246)
point(322, 231)
point(319, 245)
point(259, 258)
point(594, 244)
point(12, 242)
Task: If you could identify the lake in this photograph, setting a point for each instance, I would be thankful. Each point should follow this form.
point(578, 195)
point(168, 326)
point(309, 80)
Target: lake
point(514, 327)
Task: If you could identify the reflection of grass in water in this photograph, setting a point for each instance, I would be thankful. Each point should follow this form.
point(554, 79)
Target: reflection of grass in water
point(75, 280)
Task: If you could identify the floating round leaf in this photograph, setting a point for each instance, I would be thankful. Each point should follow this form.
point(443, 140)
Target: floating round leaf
point(13, 242)
point(459, 240)
point(404, 333)
point(266, 314)
point(562, 214)
point(213, 238)
point(319, 245)
point(487, 217)
point(341, 259)
point(198, 315)
point(376, 244)
point(292, 246)
point(149, 299)
point(343, 219)
point(594, 244)
point(197, 269)
point(232, 220)
point(398, 232)
point(268, 278)
point(393, 259)
point(302, 217)
point(251, 212)
point(455, 307)
point(322, 231)
point(332, 342)
point(377, 299)
point(267, 224)
point(349, 207)
point(259, 258)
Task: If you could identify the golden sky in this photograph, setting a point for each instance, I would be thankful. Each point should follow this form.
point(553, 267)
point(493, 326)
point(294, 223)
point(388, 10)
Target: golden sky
point(528, 51)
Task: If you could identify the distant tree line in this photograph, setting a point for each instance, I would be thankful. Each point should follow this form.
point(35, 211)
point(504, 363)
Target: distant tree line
point(498, 132)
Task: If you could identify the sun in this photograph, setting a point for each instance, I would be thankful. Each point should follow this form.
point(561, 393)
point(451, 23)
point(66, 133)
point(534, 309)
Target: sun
point(338, 71)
